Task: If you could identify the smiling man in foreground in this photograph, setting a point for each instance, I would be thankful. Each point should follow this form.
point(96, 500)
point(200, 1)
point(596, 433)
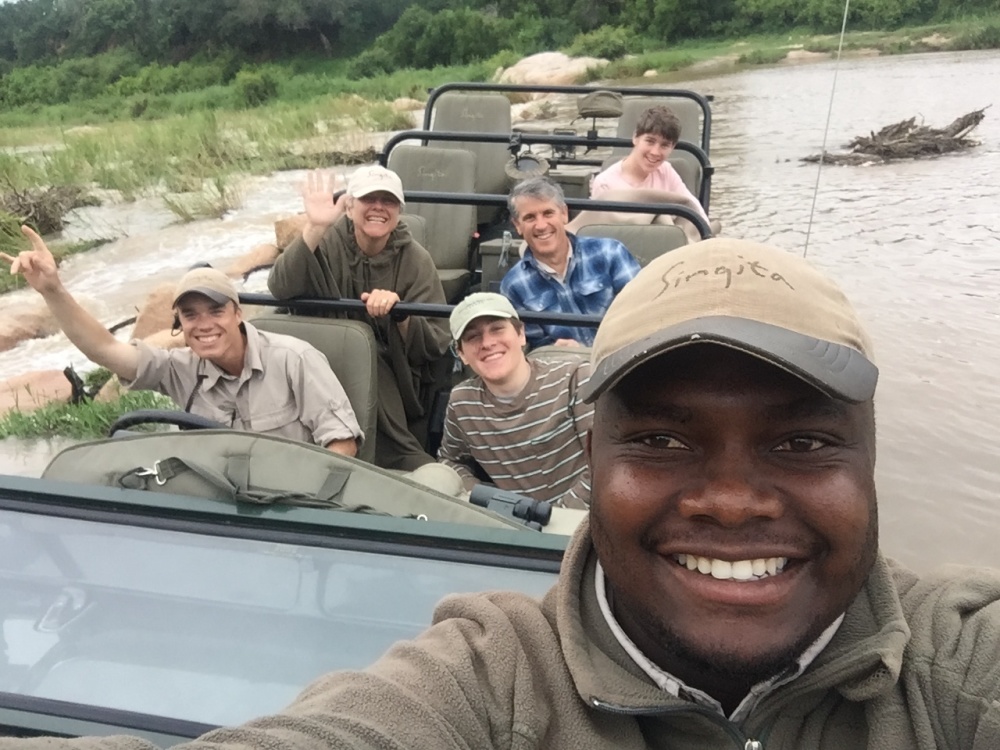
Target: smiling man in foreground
point(228, 371)
point(728, 590)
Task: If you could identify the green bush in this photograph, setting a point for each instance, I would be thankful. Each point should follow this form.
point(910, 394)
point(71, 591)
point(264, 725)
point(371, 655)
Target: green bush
point(762, 57)
point(374, 61)
point(985, 37)
point(423, 40)
point(612, 42)
point(254, 88)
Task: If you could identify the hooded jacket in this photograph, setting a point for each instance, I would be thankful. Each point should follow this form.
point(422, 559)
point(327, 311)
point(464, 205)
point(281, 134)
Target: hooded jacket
point(913, 666)
point(338, 269)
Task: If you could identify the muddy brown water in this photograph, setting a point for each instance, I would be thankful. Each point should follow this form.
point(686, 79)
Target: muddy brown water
point(916, 245)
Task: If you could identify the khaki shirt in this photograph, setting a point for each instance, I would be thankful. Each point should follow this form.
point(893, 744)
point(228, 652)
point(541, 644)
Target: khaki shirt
point(286, 388)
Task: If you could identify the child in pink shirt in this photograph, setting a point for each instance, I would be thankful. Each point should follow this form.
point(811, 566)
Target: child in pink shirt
point(656, 134)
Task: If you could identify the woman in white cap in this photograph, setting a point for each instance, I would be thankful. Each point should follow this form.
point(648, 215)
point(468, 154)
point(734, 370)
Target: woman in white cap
point(357, 247)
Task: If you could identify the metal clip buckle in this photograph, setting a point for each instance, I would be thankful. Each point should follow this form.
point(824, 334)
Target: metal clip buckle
point(154, 472)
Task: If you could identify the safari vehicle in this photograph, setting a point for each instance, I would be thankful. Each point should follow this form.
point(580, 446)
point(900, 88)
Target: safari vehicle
point(459, 167)
point(165, 583)
point(163, 615)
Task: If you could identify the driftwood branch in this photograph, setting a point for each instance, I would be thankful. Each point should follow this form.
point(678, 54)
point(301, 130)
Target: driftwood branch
point(906, 140)
point(43, 208)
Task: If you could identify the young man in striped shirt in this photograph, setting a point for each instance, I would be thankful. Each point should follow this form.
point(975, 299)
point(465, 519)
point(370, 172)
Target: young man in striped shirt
point(520, 420)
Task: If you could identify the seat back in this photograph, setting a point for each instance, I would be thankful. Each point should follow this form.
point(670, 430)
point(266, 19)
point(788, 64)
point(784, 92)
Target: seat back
point(688, 111)
point(685, 163)
point(478, 113)
point(349, 347)
point(449, 228)
point(644, 241)
point(417, 226)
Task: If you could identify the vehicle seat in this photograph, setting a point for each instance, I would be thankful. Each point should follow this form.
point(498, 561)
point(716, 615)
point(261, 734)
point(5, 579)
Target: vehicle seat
point(644, 241)
point(417, 226)
point(686, 164)
point(478, 113)
point(449, 228)
point(349, 346)
point(689, 113)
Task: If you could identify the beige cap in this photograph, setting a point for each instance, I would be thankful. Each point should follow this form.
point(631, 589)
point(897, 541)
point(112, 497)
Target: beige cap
point(751, 297)
point(211, 282)
point(479, 305)
point(374, 179)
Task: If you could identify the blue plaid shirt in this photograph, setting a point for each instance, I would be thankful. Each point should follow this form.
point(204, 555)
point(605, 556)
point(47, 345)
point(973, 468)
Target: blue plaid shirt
point(598, 268)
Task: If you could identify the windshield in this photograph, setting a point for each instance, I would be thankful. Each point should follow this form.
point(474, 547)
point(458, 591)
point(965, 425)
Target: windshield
point(162, 622)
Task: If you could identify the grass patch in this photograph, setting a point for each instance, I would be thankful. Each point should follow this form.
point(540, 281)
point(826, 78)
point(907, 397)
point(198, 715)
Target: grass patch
point(217, 197)
point(985, 37)
point(79, 421)
point(762, 57)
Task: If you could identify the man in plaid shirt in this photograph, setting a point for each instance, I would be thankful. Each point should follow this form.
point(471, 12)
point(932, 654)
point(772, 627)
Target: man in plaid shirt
point(561, 272)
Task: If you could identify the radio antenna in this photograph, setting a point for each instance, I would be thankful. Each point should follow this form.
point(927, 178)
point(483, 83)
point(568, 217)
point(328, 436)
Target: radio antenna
point(826, 129)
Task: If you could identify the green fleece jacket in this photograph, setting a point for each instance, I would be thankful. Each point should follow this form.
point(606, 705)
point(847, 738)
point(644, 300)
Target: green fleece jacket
point(338, 268)
point(914, 666)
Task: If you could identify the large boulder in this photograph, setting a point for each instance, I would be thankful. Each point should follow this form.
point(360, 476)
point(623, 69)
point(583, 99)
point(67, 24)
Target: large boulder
point(550, 68)
point(156, 313)
point(261, 256)
point(286, 230)
point(31, 390)
point(30, 322)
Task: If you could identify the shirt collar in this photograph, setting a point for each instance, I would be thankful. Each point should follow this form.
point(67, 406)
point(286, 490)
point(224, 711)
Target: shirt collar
point(251, 361)
point(676, 688)
point(548, 270)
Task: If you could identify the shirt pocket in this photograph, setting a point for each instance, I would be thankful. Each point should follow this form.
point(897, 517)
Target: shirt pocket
point(544, 300)
point(205, 408)
point(594, 295)
point(275, 419)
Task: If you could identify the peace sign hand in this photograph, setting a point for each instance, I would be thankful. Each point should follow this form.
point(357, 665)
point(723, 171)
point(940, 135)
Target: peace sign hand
point(36, 265)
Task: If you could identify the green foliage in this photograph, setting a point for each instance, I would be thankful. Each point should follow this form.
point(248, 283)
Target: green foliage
point(80, 421)
point(374, 61)
point(382, 117)
point(983, 37)
point(531, 33)
point(766, 15)
point(611, 42)
point(254, 88)
point(95, 379)
point(762, 57)
point(421, 39)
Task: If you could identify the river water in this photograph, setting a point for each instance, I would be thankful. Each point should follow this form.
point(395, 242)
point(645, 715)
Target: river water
point(916, 246)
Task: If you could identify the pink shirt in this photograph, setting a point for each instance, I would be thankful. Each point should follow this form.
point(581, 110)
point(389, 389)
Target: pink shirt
point(664, 177)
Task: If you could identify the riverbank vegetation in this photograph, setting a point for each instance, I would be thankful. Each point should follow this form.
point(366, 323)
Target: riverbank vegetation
point(184, 99)
point(87, 420)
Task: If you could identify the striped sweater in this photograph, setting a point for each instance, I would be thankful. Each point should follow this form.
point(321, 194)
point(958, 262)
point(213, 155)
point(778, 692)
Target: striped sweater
point(533, 444)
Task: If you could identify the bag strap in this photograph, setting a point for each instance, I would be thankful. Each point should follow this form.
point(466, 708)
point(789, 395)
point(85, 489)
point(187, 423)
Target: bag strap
point(234, 484)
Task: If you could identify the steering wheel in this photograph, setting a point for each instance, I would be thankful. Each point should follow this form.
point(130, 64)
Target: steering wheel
point(182, 419)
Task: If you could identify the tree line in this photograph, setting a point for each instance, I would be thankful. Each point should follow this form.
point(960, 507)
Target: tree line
point(428, 31)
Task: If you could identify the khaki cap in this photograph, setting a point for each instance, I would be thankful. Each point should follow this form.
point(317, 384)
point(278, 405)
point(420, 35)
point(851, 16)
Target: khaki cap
point(210, 282)
point(479, 305)
point(375, 179)
point(750, 297)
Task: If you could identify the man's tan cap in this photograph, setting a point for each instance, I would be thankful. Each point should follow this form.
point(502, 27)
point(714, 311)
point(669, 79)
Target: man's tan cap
point(478, 305)
point(210, 282)
point(751, 297)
